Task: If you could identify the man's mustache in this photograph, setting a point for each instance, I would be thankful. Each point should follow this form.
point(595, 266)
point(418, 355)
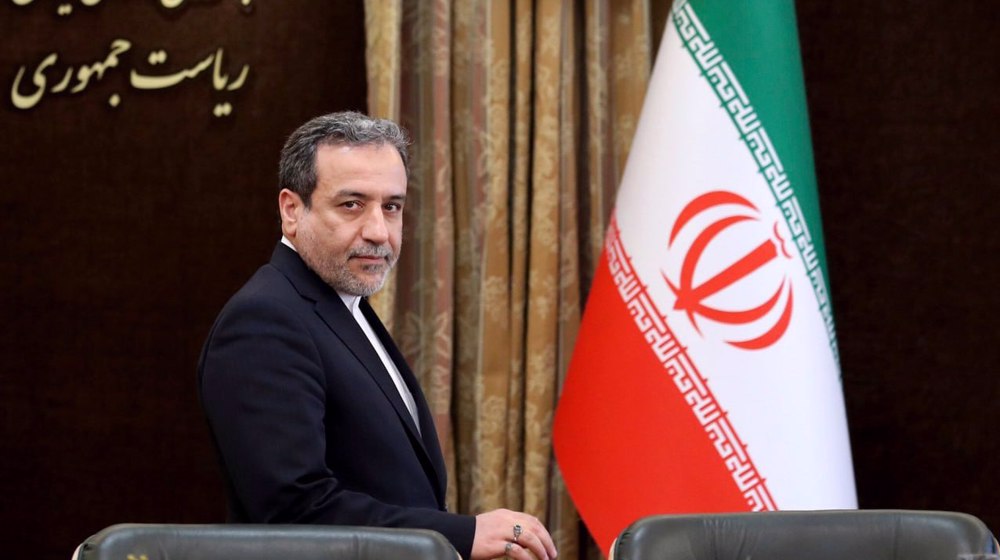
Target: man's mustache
point(381, 251)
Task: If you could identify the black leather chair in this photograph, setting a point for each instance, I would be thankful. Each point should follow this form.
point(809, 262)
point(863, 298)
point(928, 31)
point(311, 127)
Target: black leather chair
point(805, 535)
point(263, 542)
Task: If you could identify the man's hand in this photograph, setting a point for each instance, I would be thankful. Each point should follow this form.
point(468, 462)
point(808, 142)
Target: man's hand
point(496, 529)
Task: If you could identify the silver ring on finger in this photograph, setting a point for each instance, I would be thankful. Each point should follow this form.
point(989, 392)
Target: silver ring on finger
point(506, 550)
point(517, 531)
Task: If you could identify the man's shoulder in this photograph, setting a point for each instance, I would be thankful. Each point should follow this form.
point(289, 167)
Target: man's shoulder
point(281, 295)
point(267, 288)
point(267, 281)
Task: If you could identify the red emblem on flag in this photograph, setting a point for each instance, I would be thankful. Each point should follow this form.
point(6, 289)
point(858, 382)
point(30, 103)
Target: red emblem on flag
point(691, 298)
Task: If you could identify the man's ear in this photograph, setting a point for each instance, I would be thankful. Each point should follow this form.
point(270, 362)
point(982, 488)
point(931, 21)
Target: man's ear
point(290, 207)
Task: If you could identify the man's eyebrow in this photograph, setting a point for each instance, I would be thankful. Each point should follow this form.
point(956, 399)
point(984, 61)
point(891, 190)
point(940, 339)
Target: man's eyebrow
point(347, 193)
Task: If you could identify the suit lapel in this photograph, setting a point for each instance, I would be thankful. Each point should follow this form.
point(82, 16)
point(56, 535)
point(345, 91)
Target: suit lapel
point(427, 429)
point(332, 310)
point(336, 315)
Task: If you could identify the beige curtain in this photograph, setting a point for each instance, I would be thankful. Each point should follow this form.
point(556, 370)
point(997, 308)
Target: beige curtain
point(521, 114)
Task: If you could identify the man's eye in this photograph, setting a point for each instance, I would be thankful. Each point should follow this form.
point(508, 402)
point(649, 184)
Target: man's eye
point(352, 204)
point(393, 207)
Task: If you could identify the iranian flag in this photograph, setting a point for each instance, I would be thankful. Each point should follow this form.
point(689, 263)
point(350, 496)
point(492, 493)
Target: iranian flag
point(705, 376)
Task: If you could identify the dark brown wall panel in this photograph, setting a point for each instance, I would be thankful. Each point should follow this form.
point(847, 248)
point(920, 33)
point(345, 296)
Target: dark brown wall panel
point(124, 231)
point(903, 104)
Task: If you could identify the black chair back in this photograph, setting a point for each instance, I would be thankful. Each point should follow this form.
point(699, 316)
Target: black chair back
point(806, 535)
point(263, 542)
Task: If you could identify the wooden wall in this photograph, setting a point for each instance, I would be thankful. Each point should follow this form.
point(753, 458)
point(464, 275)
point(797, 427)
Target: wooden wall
point(124, 231)
point(904, 111)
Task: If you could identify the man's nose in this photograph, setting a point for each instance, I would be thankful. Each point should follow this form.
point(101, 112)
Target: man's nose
point(375, 229)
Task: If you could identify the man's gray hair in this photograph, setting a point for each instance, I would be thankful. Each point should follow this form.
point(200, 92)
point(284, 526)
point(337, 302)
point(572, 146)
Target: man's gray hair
point(297, 168)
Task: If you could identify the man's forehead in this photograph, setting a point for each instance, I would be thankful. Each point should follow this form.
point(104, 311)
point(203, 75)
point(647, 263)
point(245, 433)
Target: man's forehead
point(361, 168)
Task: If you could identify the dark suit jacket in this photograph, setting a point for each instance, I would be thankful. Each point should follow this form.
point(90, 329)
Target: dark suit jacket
point(307, 422)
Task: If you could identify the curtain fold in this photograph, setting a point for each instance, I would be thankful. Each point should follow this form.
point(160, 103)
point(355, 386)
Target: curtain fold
point(383, 21)
point(521, 113)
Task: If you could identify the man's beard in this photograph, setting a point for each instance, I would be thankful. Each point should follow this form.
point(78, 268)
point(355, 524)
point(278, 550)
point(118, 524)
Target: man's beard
point(337, 274)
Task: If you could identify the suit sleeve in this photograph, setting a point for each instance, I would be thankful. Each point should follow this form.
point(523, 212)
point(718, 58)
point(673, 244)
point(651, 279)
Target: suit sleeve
point(262, 388)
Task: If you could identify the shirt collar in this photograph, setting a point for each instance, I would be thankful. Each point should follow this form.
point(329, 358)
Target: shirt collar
point(351, 301)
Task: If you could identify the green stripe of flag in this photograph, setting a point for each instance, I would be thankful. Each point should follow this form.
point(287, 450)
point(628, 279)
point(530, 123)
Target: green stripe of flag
point(751, 47)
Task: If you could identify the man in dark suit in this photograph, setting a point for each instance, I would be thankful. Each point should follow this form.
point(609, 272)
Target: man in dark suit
point(314, 413)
